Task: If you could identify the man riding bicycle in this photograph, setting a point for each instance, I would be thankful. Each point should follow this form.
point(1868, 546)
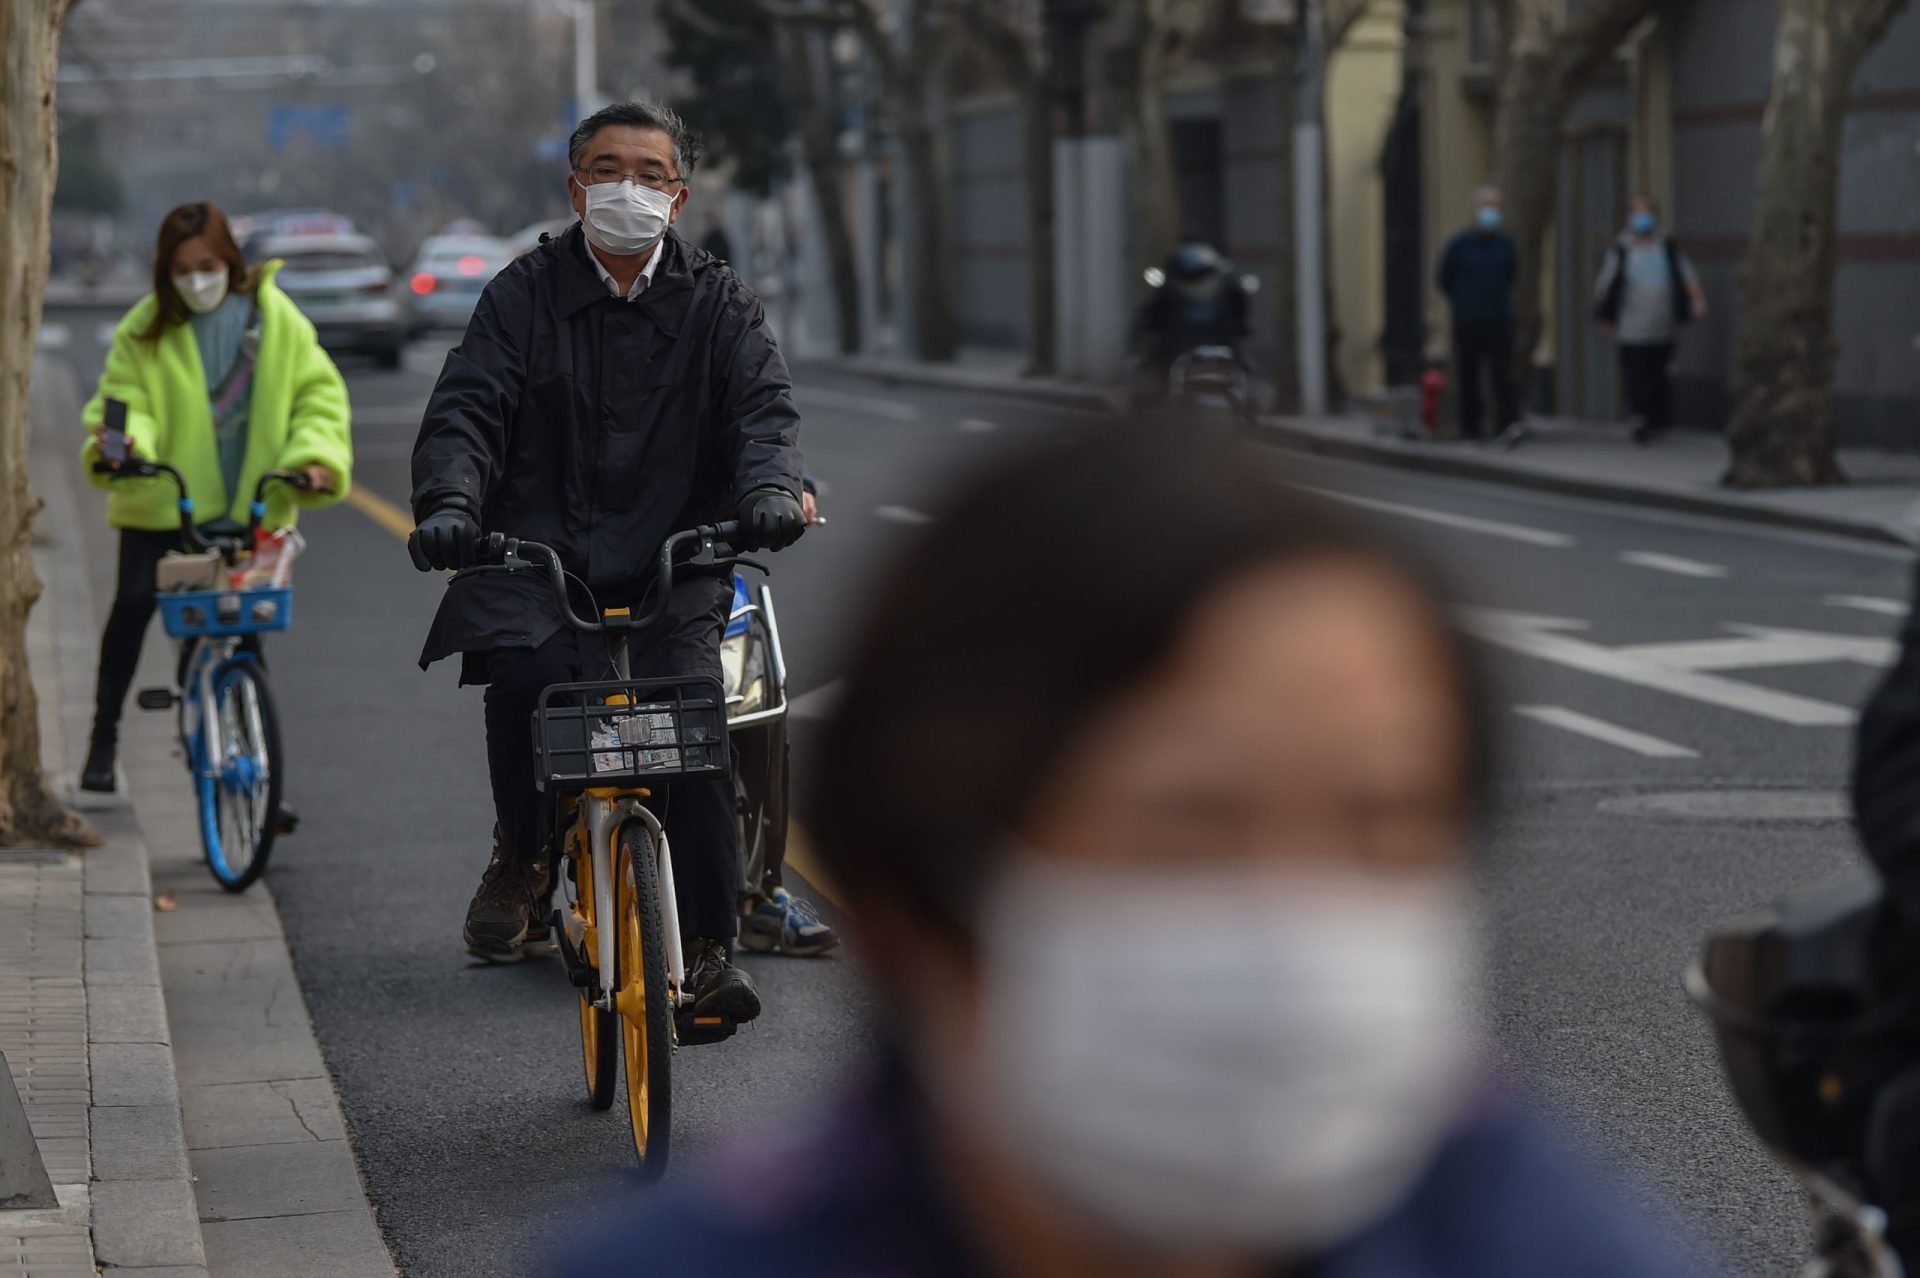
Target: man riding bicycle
point(615, 384)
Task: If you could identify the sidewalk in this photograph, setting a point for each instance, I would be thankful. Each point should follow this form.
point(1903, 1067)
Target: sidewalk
point(1681, 471)
point(215, 1144)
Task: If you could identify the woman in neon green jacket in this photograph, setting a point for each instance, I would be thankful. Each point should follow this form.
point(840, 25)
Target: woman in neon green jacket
point(223, 378)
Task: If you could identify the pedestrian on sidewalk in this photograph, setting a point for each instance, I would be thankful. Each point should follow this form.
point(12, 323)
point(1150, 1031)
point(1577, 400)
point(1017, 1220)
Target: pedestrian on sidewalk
point(223, 379)
point(1169, 911)
point(1647, 292)
point(1477, 274)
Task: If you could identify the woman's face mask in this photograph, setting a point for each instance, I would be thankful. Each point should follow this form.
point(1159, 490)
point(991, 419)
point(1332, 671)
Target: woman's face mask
point(202, 291)
point(1255, 1060)
point(625, 218)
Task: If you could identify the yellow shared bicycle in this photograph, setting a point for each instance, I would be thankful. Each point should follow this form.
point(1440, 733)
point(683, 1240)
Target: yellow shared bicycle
point(599, 749)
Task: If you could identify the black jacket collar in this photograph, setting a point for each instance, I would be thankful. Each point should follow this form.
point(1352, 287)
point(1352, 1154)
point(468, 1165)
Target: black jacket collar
point(578, 285)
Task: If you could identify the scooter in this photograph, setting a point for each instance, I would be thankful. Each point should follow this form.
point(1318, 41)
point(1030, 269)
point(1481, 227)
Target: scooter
point(1824, 1061)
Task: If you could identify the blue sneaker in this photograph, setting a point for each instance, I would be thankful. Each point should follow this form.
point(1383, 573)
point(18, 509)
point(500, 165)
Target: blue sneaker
point(784, 924)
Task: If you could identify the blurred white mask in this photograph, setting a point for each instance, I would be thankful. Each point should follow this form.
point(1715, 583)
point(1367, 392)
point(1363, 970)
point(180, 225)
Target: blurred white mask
point(1225, 1060)
point(201, 290)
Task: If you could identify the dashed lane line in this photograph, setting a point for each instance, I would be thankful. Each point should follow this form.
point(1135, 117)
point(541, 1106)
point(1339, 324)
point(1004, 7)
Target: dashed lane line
point(893, 409)
point(1869, 603)
point(902, 515)
point(1448, 519)
point(1613, 734)
point(977, 426)
point(1673, 564)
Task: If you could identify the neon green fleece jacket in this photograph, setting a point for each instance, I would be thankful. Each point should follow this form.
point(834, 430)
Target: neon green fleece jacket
point(297, 416)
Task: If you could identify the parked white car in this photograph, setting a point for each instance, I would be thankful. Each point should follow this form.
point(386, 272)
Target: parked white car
point(343, 284)
point(447, 277)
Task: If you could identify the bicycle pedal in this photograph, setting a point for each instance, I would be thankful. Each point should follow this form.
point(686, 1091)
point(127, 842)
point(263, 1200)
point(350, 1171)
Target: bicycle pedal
point(696, 1029)
point(157, 699)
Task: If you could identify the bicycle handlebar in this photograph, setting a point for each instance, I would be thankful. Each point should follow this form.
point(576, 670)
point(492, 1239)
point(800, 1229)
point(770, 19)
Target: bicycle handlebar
point(510, 554)
point(140, 468)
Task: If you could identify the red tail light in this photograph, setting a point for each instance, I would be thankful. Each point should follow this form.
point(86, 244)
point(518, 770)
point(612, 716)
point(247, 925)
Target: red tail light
point(422, 283)
point(472, 264)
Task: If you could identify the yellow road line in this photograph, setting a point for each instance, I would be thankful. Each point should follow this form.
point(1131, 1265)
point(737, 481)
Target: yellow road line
point(799, 850)
point(380, 510)
point(800, 858)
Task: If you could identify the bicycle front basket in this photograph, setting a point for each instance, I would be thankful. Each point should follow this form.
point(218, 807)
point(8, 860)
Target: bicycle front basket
point(196, 614)
point(630, 732)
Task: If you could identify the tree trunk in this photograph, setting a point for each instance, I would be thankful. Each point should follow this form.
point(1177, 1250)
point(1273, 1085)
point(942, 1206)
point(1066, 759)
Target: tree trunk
point(1036, 114)
point(1781, 432)
point(814, 125)
point(1148, 138)
point(1526, 167)
point(1286, 315)
point(29, 57)
point(925, 148)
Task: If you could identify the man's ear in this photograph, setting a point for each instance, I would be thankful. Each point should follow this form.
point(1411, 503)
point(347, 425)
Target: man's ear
point(679, 204)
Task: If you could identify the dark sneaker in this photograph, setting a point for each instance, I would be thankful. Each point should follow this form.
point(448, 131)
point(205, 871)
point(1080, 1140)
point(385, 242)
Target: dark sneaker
point(285, 819)
point(1642, 433)
point(97, 777)
point(502, 907)
point(539, 939)
point(720, 989)
point(784, 924)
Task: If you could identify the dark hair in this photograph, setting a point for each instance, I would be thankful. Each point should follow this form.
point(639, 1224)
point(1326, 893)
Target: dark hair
point(1049, 586)
point(176, 228)
point(688, 149)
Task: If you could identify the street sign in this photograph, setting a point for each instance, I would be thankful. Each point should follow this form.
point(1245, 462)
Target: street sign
point(1687, 669)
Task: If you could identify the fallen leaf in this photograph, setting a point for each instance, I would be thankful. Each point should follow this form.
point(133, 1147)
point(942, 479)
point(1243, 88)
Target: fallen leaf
point(166, 902)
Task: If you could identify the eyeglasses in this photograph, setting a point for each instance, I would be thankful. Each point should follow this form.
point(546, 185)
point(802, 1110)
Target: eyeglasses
point(606, 174)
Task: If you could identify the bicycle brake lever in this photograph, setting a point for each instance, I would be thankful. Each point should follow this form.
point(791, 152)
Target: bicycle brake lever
point(739, 561)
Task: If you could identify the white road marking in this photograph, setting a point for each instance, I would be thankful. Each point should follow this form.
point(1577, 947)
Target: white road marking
point(1535, 637)
point(1765, 646)
point(1672, 563)
point(889, 408)
point(819, 703)
point(55, 337)
point(1869, 603)
point(902, 515)
point(976, 426)
point(1467, 523)
point(1611, 733)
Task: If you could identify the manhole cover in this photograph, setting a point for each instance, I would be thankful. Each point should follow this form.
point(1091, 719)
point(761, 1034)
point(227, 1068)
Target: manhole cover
point(1735, 805)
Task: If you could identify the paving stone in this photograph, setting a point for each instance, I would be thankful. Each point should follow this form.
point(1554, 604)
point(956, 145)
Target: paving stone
point(133, 1014)
point(137, 1142)
point(146, 1222)
point(119, 917)
point(134, 1074)
point(277, 1180)
point(290, 1111)
point(326, 1245)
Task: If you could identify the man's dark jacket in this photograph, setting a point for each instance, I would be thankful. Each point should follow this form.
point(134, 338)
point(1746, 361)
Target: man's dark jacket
point(1477, 274)
point(598, 426)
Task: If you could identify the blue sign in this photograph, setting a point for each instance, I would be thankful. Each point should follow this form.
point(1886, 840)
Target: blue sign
point(314, 128)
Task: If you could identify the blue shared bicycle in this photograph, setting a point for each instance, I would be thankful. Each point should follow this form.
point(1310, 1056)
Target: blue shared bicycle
point(228, 731)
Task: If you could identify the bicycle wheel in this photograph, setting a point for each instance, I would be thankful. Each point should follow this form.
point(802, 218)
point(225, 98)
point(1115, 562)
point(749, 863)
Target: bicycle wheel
point(239, 799)
point(646, 1016)
point(599, 1040)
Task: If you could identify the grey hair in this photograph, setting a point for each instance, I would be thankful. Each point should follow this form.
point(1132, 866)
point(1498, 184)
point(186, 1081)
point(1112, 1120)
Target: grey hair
point(687, 146)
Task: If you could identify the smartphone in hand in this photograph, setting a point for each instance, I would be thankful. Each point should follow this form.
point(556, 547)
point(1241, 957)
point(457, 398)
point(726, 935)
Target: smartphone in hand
point(114, 448)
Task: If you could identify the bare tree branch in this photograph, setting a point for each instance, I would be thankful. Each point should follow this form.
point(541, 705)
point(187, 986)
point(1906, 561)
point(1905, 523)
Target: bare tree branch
point(705, 23)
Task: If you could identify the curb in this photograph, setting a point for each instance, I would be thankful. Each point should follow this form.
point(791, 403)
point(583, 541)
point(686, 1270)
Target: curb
point(1291, 434)
point(948, 377)
point(141, 1183)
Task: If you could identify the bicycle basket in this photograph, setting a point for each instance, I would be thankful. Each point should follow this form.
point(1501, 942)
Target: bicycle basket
point(630, 732)
point(200, 614)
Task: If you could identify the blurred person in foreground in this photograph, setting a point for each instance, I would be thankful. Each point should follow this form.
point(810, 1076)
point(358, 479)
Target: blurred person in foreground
point(1168, 902)
point(224, 379)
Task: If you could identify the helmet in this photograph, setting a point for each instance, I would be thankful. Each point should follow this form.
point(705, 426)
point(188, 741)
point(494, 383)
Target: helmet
point(1194, 260)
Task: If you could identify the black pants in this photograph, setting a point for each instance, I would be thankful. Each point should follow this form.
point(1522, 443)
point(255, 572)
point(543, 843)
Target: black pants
point(698, 816)
point(1487, 347)
point(1647, 371)
point(140, 554)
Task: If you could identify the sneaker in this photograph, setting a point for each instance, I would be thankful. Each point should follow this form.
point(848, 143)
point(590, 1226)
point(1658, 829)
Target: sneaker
point(1642, 432)
point(784, 924)
point(501, 910)
point(718, 987)
point(1512, 437)
point(97, 777)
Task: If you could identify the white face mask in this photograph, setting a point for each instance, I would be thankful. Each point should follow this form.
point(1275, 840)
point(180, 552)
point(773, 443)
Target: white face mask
point(625, 218)
point(201, 290)
point(1256, 1062)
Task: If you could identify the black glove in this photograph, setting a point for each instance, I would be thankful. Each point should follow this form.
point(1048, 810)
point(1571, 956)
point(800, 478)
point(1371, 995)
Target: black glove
point(771, 519)
point(448, 538)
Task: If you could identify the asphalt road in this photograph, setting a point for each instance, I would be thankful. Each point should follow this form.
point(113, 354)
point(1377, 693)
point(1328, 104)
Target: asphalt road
point(1640, 654)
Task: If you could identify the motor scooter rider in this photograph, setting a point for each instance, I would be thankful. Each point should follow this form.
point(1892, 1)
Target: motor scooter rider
point(1198, 299)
